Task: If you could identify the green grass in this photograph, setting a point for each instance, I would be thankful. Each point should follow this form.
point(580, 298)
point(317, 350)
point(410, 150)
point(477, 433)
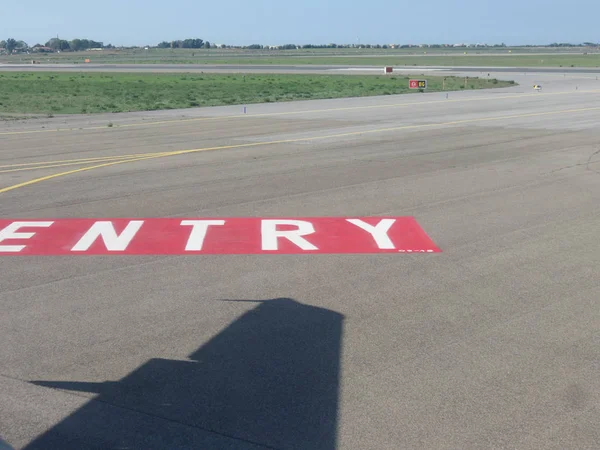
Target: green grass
point(393, 60)
point(446, 60)
point(73, 93)
point(354, 57)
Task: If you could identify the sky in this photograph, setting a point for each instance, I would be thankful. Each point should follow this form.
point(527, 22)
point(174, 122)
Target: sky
point(245, 22)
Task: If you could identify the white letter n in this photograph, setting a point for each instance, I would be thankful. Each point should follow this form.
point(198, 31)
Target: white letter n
point(106, 231)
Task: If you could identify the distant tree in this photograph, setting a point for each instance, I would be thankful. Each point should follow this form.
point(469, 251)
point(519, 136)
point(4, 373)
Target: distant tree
point(223, 46)
point(207, 44)
point(77, 45)
point(255, 47)
point(10, 45)
point(58, 44)
point(164, 44)
point(84, 44)
point(188, 43)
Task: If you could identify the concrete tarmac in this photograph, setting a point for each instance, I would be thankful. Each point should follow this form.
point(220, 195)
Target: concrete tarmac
point(493, 343)
point(285, 68)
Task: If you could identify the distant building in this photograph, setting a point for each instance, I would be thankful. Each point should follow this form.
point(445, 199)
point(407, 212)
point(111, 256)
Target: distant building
point(42, 49)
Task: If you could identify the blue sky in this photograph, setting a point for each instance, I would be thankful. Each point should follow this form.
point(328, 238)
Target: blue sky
point(242, 22)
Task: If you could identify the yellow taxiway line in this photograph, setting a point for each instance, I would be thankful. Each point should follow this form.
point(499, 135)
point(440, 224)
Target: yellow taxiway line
point(148, 156)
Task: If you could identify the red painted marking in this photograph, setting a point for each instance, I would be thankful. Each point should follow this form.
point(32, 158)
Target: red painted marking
point(215, 236)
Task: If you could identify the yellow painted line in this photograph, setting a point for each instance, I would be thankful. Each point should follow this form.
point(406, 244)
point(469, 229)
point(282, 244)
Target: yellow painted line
point(287, 141)
point(77, 161)
point(310, 111)
point(50, 166)
point(70, 172)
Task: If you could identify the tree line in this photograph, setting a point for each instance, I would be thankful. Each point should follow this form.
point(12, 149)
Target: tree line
point(566, 44)
point(12, 44)
point(186, 43)
point(55, 44)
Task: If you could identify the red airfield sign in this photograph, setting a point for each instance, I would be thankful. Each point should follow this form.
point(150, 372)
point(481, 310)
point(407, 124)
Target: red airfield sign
point(417, 84)
point(158, 236)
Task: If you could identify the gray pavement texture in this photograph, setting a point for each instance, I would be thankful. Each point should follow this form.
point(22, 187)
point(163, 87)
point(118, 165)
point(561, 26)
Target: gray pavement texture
point(287, 68)
point(493, 343)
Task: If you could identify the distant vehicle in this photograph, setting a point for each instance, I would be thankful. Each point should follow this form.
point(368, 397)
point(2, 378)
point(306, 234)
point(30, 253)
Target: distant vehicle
point(537, 87)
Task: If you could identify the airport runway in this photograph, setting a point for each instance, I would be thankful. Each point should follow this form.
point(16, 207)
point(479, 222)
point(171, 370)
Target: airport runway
point(301, 68)
point(493, 343)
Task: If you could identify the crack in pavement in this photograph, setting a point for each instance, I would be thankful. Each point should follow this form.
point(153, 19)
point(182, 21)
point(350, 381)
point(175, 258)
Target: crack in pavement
point(586, 164)
point(589, 161)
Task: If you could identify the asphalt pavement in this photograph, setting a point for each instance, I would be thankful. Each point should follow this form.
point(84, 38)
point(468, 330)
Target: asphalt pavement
point(285, 68)
point(493, 343)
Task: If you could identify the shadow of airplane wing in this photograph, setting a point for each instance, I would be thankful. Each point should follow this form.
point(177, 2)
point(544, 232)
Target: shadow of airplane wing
point(269, 380)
